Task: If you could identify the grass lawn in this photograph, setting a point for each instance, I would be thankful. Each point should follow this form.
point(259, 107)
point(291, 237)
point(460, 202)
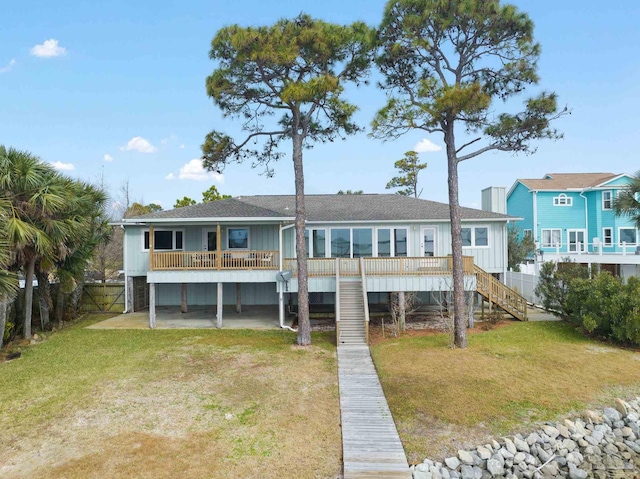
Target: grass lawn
point(171, 403)
point(509, 377)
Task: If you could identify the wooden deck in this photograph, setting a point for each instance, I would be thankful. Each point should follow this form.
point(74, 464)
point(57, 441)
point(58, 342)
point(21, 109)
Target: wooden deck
point(371, 447)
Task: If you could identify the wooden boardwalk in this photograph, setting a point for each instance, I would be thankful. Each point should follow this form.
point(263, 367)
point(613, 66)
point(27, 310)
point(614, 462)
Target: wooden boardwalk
point(371, 446)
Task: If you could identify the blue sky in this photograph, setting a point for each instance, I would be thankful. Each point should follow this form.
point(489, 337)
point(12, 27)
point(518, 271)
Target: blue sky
point(117, 88)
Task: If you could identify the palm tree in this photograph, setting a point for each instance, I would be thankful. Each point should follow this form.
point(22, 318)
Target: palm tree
point(8, 280)
point(44, 217)
point(627, 201)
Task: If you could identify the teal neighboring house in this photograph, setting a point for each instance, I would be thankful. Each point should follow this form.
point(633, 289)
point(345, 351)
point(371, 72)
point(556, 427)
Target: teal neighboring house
point(571, 214)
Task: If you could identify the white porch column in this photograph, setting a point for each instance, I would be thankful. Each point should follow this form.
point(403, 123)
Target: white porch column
point(219, 306)
point(152, 305)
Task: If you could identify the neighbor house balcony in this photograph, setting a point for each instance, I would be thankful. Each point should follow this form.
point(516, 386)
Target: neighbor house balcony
point(213, 260)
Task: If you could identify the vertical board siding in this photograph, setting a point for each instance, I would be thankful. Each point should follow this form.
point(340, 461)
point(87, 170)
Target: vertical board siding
point(203, 294)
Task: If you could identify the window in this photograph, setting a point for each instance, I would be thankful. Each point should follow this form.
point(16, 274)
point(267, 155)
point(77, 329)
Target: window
point(527, 234)
point(362, 242)
point(340, 243)
point(628, 236)
point(475, 237)
point(551, 238)
point(400, 243)
point(164, 240)
point(562, 200)
point(607, 236)
point(384, 243)
point(238, 238)
point(318, 243)
point(607, 200)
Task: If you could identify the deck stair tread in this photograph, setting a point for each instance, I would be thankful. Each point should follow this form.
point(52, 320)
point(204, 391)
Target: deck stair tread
point(370, 442)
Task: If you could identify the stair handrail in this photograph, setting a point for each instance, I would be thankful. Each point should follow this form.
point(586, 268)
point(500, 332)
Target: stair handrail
point(337, 300)
point(514, 299)
point(365, 300)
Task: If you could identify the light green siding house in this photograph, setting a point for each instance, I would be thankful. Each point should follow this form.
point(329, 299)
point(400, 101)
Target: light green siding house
point(212, 252)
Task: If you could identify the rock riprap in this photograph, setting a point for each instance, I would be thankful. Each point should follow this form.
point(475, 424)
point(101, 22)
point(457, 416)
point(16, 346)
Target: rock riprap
point(597, 444)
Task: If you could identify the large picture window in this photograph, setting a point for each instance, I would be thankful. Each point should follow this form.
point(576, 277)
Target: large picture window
point(340, 243)
point(384, 243)
point(317, 248)
point(628, 236)
point(362, 242)
point(238, 238)
point(551, 238)
point(475, 237)
point(391, 242)
point(167, 240)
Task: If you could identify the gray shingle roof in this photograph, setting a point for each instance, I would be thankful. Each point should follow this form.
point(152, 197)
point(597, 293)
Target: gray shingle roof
point(366, 207)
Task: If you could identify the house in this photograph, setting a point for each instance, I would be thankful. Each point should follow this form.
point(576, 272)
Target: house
point(235, 249)
point(572, 215)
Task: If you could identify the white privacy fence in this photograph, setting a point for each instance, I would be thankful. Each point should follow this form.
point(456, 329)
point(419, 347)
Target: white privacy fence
point(525, 284)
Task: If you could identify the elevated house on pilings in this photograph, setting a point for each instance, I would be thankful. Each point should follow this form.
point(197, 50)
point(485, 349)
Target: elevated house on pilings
point(240, 251)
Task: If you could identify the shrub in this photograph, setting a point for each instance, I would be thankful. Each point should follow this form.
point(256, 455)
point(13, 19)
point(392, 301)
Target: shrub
point(553, 286)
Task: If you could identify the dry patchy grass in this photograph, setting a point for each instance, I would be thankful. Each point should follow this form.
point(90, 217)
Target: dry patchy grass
point(172, 403)
point(508, 378)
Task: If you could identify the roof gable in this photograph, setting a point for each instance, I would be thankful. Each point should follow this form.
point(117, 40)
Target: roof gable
point(567, 181)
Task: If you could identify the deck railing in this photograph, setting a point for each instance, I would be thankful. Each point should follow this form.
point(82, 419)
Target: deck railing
point(397, 266)
point(189, 260)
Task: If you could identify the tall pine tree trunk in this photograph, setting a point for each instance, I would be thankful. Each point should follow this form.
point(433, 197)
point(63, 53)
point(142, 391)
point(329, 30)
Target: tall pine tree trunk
point(460, 332)
point(28, 298)
point(304, 326)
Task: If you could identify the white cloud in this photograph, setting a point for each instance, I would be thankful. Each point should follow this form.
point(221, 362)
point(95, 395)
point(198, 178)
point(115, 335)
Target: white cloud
point(142, 145)
point(426, 146)
point(58, 165)
point(182, 146)
point(108, 157)
point(9, 66)
point(194, 171)
point(48, 49)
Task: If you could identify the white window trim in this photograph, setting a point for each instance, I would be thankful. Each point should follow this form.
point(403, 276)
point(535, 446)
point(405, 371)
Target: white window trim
point(620, 236)
point(583, 244)
point(604, 208)
point(238, 228)
point(604, 237)
point(550, 245)
point(392, 241)
point(568, 201)
point(173, 239)
point(473, 236)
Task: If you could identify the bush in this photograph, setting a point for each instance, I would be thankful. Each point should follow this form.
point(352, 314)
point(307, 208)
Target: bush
point(553, 286)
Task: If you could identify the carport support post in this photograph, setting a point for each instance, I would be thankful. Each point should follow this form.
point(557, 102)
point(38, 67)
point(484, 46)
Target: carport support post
point(130, 302)
point(219, 307)
point(152, 305)
point(238, 299)
point(183, 298)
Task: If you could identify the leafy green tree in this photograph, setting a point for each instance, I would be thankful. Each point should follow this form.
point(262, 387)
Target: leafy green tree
point(627, 204)
point(519, 247)
point(448, 66)
point(139, 209)
point(553, 285)
point(48, 216)
point(212, 194)
point(285, 82)
point(409, 167)
point(8, 280)
point(185, 201)
point(349, 192)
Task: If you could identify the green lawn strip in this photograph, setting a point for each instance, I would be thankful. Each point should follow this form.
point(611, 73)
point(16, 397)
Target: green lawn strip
point(524, 372)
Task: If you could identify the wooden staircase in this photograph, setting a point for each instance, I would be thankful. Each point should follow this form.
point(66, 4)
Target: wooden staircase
point(500, 295)
point(353, 328)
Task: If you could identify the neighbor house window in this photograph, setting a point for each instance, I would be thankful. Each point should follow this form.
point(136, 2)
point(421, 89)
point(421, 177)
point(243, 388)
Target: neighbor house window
point(607, 200)
point(238, 238)
point(164, 240)
point(562, 200)
point(607, 236)
point(551, 238)
point(475, 237)
point(527, 233)
point(628, 236)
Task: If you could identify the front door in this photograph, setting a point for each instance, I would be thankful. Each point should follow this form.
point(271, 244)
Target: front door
point(576, 241)
point(428, 241)
point(209, 240)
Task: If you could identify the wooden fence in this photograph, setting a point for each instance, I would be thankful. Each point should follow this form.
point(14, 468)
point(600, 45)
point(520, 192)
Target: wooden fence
point(103, 297)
